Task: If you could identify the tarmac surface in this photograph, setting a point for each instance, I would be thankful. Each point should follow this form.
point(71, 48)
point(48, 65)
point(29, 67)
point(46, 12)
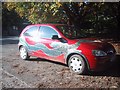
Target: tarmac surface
point(41, 73)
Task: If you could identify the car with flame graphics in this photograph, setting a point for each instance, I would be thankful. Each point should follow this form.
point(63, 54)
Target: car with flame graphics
point(62, 43)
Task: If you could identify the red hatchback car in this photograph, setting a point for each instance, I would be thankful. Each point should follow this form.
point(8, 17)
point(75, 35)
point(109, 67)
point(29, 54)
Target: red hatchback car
point(62, 43)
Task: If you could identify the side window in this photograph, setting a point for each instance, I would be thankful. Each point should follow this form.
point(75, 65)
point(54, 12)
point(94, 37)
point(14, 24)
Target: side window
point(47, 32)
point(32, 31)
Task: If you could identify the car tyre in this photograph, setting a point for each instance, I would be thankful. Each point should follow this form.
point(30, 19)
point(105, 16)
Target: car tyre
point(23, 53)
point(77, 64)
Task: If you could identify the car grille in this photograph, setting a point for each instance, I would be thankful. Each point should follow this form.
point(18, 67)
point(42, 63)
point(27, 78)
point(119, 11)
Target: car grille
point(111, 54)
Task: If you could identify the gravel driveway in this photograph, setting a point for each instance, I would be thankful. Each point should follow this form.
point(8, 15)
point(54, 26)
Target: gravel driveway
point(40, 73)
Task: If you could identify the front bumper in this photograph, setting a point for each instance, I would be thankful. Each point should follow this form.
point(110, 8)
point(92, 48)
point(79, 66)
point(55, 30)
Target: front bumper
point(103, 63)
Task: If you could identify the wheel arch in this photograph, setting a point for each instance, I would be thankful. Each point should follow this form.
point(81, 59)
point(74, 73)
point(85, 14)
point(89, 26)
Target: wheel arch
point(23, 46)
point(84, 58)
point(19, 46)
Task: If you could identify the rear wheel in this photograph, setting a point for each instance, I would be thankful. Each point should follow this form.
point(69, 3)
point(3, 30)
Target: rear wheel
point(77, 64)
point(23, 53)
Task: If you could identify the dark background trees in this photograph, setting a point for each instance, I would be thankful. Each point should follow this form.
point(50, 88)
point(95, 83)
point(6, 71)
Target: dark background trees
point(100, 19)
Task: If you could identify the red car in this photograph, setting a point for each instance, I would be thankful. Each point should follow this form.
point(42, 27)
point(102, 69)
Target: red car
point(62, 43)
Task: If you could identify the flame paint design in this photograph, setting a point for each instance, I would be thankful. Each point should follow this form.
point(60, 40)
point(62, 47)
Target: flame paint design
point(59, 48)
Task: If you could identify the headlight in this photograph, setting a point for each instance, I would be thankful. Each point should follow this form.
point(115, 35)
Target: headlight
point(99, 53)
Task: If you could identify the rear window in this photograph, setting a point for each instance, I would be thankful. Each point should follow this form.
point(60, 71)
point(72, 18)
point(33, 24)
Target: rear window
point(32, 31)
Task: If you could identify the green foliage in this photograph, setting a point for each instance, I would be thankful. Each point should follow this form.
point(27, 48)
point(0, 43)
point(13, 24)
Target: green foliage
point(36, 12)
point(93, 18)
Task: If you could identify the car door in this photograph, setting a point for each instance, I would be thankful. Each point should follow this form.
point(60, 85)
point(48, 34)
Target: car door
point(50, 49)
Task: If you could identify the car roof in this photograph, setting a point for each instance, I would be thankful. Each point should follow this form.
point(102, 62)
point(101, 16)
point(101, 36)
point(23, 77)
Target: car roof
point(46, 25)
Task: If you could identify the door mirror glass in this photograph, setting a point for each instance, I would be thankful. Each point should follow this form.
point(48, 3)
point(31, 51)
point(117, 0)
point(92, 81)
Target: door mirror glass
point(55, 37)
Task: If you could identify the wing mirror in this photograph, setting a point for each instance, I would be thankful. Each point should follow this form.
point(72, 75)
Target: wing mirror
point(55, 37)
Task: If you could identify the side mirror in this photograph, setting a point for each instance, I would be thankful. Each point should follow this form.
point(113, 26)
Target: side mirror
point(55, 37)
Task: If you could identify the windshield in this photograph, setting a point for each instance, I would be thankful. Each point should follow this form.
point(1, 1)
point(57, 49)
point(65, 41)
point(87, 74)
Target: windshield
point(69, 31)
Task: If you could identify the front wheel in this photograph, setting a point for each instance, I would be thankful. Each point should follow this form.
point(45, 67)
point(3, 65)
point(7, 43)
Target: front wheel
point(77, 64)
point(23, 53)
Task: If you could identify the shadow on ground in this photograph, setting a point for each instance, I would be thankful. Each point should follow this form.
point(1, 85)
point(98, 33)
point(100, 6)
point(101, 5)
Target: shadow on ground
point(113, 71)
point(45, 60)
